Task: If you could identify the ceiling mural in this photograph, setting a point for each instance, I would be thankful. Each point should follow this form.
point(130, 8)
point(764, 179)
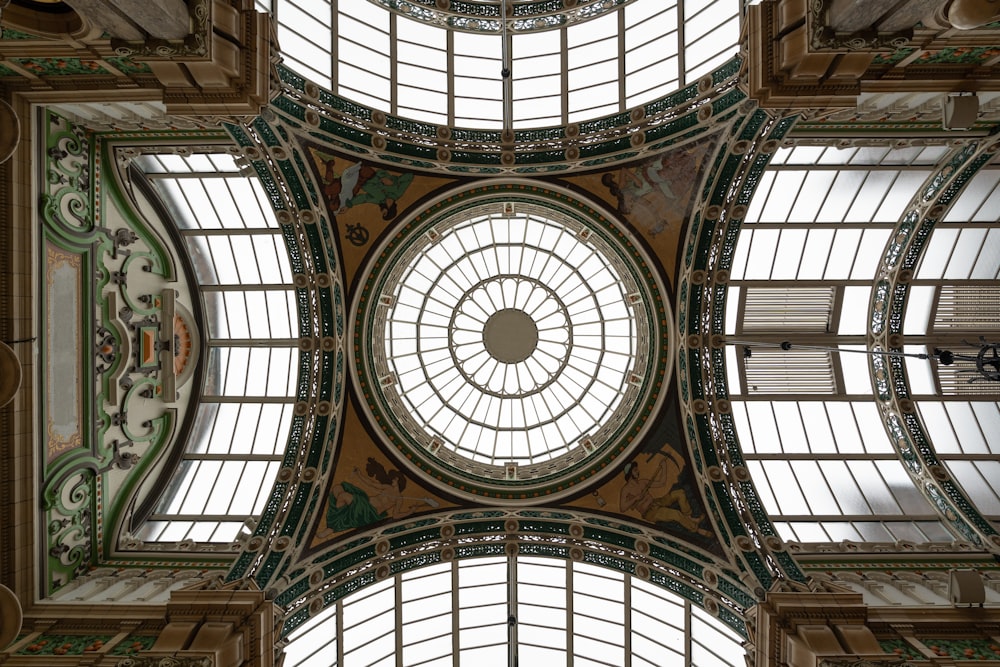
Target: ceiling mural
point(368, 204)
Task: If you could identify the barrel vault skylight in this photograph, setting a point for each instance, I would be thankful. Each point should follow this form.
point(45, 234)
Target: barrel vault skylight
point(808, 423)
point(441, 62)
point(516, 610)
point(235, 247)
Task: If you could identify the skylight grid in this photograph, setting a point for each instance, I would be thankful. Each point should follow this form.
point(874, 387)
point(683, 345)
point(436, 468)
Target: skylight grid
point(234, 449)
point(565, 613)
point(616, 59)
point(957, 252)
point(462, 306)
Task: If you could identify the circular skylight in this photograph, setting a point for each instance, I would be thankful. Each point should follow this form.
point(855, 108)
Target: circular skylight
point(510, 340)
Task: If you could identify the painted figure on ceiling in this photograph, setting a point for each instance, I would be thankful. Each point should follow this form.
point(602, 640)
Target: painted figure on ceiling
point(361, 183)
point(658, 496)
point(369, 498)
point(653, 193)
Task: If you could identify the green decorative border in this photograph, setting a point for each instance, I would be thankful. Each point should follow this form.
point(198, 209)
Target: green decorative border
point(654, 374)
point(314, 259)
point(369, 558)
point(486, 17)
point(709, 249)
point(348, 126)
point(887, 306)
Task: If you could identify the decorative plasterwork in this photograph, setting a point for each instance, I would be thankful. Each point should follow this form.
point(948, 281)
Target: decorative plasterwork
point(116, 393)
point(677, 118)
point(797, 61)
point(823, 37)
point(885, 329)
point(638, 551)
point(223, 68)
point(701, 294)
point(197, 43)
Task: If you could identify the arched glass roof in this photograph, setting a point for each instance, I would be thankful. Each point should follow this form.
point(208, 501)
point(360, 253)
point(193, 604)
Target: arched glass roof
point(235, 247)
point(806, 261)
point(441, 62)
point(514, 610)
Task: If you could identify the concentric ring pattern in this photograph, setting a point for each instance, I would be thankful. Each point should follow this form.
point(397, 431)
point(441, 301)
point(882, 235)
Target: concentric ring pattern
point(509, 342)
point(553, 366)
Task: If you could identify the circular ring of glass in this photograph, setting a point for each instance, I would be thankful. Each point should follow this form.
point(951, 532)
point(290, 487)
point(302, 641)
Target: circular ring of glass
point(511, 342)
point(493, 360)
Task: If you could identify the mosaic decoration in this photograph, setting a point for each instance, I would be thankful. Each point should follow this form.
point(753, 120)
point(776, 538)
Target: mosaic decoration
point(65, 645)
point(134, 644)
point(59, 66)
point(963, 649)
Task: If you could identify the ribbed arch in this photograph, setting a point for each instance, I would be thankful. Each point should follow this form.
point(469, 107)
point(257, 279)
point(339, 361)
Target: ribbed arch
point(244, 412)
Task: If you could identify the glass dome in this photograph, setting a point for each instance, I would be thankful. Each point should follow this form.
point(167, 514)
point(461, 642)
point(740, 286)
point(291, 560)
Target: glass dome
point(510, 341)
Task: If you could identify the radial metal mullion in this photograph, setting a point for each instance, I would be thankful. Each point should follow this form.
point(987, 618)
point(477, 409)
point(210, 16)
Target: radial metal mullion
point(564, 74)
point(681, 47)
point(231, 457)
point(340, 630)
point(570, 632)
point(854, 197)
point(189, 175)
point(393, 66)
point(397, 592)
point(212, 398)
point(512, 640)
point(219, 518)
point(849, 518)
point(240, 231)
point(687, 625)
point(621, 58)
point(627, 615)
point(234, 500)
point(253, 342)
point(826, 456)
point(456, 625)
point(334, 50)
point(450, 59)
point(506, 69)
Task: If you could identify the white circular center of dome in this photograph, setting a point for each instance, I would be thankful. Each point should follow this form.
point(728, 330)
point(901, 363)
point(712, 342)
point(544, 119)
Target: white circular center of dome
point(509, 338)
point(510, 335)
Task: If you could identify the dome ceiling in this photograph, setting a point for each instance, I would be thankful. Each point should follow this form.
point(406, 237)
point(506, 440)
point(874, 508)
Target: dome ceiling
point(518, 331)
point(568, 62)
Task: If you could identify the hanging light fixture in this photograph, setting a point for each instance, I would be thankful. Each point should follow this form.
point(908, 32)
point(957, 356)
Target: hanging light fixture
point(986, 360)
